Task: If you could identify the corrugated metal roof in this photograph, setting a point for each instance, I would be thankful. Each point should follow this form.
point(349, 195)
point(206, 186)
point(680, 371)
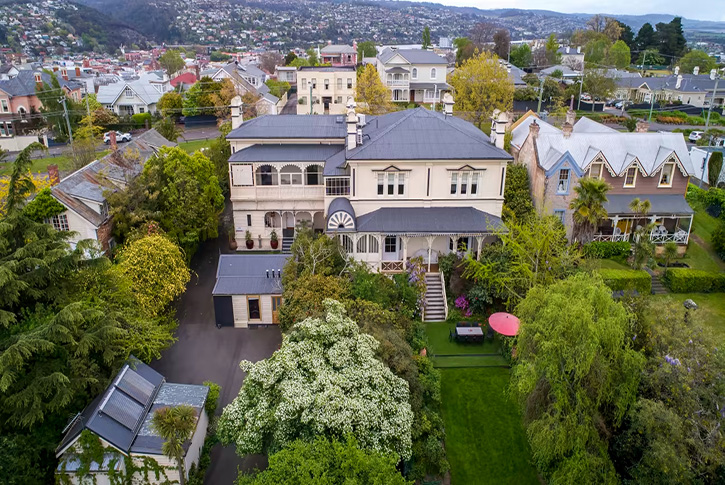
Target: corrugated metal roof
point(671, 204)
point(287, 153)
point(431, 220)
point(338, 49)
point(341, 204)
point(587, 125)
point(246, 274)
point(290, 126)
point(413, 56)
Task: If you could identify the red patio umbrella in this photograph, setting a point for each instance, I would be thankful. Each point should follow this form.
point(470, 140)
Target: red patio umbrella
point(504, 323)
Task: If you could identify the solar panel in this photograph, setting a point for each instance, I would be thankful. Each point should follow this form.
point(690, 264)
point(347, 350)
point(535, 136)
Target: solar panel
point(136, 386)
point(123, 409)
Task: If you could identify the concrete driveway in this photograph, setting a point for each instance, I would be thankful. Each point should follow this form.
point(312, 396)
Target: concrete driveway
point(204, 352)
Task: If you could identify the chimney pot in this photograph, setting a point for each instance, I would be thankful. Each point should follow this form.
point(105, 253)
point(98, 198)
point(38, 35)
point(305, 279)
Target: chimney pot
point(566, 129)
point(237, 116)
point(53, 174)
point(534, 129)
point(696, 71)
point(677, 70)
point(268, 273)
point(642, 126)
point(112, 139)
point(78, 72)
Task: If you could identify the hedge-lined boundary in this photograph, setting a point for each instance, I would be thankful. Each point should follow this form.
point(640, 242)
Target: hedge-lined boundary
point(606, 249)
point(627, 279)
point(685, 280)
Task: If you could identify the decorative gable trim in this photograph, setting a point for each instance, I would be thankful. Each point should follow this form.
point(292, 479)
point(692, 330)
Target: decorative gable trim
point(672, 157)
point(635, 163)
point(600, 158)
point(392, 168)
point(566, 161)
point(466, 168)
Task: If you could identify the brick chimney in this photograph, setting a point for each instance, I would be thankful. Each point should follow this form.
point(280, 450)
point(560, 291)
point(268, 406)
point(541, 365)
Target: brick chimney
point(78, 71)
point(566, 129)
point(55, 68)
point(53, 174)
point(64, 74)
point(642, 126)
point(571, 117)
point(38, 80)
point(534, 129)
point(112, 138)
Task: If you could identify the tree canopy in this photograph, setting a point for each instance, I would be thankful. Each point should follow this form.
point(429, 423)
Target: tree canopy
point(619, 55)
point(171, 61)
point(521, 56)
point(366, 49)
point(323, 381)
point(371, 95)
point(697, 58)
point(426, 38)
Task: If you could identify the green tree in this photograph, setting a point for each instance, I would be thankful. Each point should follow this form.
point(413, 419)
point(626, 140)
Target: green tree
point(304, 296)
point(291, 56)
point(575, 377)
point(465, 49)
point(209, 97)
point(327, 462)
point(670, 252)
point(168, 129)
point(217, 56)
point(521, 56)
point(175, 425)
point(179, 191)
point(171, 104)
point(588, 207)
point(598, 85)
point(646, 38)
point(157, 271)
point(552, 48)
point(171, 61)
point(482, 85)
point(697, 58)
point(366, 49)
point(627, 36)
point(219, 152)
point(671, 39)
point(277, 88)
point(312, 58)
point(595, 51)
point(619, 55)
point(323, 381)
point(650, 57)
point(517, 194)
point(502, 43)
point(371, 94)
point(643, 248)
point(20, 185)
point(43, 206)
point(426, 38)
point(714, 167)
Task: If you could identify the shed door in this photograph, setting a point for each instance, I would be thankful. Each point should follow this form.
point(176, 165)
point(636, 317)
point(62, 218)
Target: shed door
point(223, 311)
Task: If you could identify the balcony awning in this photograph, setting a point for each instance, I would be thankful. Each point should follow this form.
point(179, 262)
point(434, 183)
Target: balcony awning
point(397, 70)
point(440, 86)
point(429, 220)
point(662, 205)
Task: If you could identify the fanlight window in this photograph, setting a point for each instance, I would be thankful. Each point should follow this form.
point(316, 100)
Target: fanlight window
point(340, 220)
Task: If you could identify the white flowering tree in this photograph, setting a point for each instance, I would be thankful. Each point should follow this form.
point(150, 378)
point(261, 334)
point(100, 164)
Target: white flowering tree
point(323, 381)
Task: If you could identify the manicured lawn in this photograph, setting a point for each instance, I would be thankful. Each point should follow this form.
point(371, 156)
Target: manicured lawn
point(699, 257)
point(711, 308)
point(485, 439)
point(192, 146)
point(605, 264)
point(439, 343)
point(704, 224)
point(41, 164)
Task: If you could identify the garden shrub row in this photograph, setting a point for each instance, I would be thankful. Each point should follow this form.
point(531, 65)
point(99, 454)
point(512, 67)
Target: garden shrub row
point(606, 249)
point(685, 280)
point(627, 279)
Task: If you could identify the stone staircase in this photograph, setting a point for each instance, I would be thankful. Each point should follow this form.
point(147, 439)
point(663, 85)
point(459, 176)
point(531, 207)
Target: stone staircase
point(287, 244)
point(435, 297)
point(658, 288)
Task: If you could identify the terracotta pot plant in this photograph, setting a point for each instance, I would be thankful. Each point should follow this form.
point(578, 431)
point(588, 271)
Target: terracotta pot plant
point(232, 239)
point(249, 241)
point(273, 241)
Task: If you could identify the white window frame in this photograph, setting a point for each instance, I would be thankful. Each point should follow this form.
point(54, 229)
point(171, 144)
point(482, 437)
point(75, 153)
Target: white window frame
point(349, 83)
point(464, 182)
point(303, 81)
point(454, 183)
point(433, 73)
point(338, 83)
point(397, 182)
point(601, 170)
point(561, 215)
point(559, 179)
point(414, 73)
point(671, 166)
point(59, 222)
point(128, 92)
point(634, 178)
point(5, 105)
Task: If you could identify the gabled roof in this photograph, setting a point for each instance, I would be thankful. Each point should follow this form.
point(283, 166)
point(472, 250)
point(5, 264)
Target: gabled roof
point(143, 88)
point(587, 125)
point(421, 134)
point(247, 274)
point(520, 129)
point(413, 56)
point(24, 83)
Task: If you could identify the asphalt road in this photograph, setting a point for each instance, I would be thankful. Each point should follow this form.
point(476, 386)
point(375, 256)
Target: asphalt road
point(204, 352)
point(290, 107)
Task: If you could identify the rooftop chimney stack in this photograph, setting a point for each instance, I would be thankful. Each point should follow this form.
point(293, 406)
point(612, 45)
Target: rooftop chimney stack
point(64, 74)
point(501, 130)
point(677, 70)
point(713, 74)
point(642, 126)
point(53, 174)
point(351, 124)
point(696, 71)
point(448, 104)
point(679, 81)
point(566, 129)
point(571, 116)
point(78, 71)
point(112, 140)
point(534, 129)
point(237, 117)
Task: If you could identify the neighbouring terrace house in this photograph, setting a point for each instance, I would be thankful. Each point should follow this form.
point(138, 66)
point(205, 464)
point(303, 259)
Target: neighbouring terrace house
point(691, 89)
point(339, 55)
point(413, 75)
point(325, 89)
point(135, 95)
point(120, 418)
point(83, 192)
point(248, 289)
point(390, 187)
point(643, 165)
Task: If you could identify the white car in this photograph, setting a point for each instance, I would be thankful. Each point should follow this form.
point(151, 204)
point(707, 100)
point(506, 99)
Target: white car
point(696, 135)
point(120, 137)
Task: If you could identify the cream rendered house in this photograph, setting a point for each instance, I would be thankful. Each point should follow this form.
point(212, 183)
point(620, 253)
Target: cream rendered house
point(413, 75)
point(325, 89)
point(408, 183)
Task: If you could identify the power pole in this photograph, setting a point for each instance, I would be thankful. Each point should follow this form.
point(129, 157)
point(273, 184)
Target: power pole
point(581, 85)
point(712, 101)
point(644, 59)
point(67, 120)
point(541, 93)
point(651, 105)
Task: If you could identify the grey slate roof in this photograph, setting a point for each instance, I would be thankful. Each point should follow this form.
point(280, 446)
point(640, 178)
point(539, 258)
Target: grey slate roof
point(337, 49)
point(287, 153)
point(291, 126)
point(24, 83)
point(413, 56)
point(421, 134)
point(327, 68)
point(670, 204)
point(246, 274)
point(690, 83)
point(428, 220)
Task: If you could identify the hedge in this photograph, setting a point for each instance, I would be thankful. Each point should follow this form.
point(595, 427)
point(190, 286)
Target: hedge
point(606, 249)
point(685, 280)
point(627, 279)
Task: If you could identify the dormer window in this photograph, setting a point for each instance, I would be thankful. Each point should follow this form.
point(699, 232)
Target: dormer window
point(630, 178)
point(595, 170)
point(668, 170)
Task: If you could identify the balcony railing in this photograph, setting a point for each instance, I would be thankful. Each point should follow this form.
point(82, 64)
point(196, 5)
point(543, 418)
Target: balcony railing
point(392, 266)
point(279, 192)
point(398, 83)
point(679, 237)
point(612, 237)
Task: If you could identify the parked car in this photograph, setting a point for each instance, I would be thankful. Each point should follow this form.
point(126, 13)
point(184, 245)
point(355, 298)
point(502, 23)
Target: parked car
point(612, 102)
point(696, 135)
point(120, 137)
point(622, 104)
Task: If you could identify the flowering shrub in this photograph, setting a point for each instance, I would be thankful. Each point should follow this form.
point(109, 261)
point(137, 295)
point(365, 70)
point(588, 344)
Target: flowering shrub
point(463, 305)
point(324, 381)
point(415, 269)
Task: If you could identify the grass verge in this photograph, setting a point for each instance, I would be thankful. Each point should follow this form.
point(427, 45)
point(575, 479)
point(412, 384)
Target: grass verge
point(711, 307)
point(192, 146)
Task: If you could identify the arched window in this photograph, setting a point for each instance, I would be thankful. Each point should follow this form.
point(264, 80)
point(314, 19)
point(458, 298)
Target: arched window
point(414, 73)
point(313, 175)
point(346, 242)
point(362, 244)
point(22, 112)
point(272, 219)
point(368, 244)
point(266, 175)
point(373, 245)
point(433, 72)
point(290, 175)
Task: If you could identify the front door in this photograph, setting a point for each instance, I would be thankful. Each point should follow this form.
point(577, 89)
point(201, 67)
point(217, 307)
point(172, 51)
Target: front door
point(223, 311)
point(326, 102)
point(276, 303)
point(390, 251)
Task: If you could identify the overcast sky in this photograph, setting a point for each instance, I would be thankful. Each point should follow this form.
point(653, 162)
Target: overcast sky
point(705, 10)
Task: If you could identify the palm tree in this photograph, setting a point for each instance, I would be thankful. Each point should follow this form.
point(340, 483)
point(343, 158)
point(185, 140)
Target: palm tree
point(175, 425)
point(670, 253)
point(588, 206)
point(643, 248)
point(640, 207)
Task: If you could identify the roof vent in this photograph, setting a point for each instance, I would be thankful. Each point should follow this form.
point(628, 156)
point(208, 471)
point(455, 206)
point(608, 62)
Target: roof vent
point(339, 119)
point(359, 136)
point(361, 120)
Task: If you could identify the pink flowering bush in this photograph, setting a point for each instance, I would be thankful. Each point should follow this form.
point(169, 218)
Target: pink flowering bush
point(463, 304)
